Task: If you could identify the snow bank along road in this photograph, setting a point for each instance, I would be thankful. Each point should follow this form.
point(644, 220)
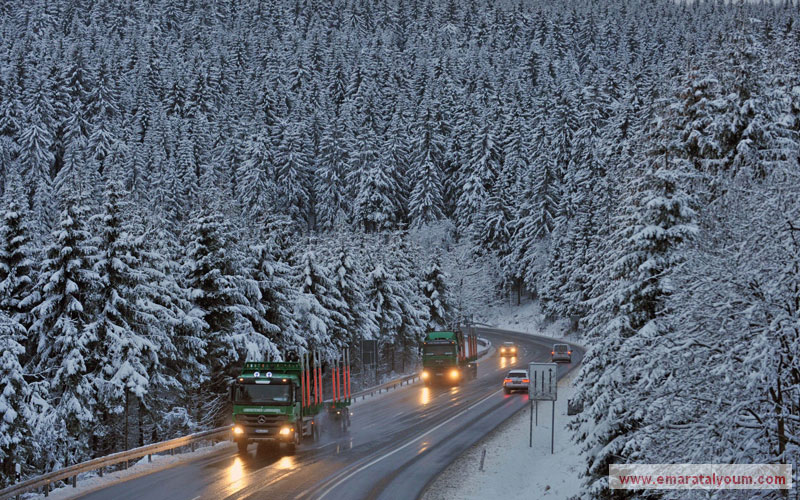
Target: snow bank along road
point(396, 446)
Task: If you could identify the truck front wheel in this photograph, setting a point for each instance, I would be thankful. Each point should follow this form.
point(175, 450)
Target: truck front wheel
point(242, 445)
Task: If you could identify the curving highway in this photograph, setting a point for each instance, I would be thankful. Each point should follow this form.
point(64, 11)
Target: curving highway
point(397, 444)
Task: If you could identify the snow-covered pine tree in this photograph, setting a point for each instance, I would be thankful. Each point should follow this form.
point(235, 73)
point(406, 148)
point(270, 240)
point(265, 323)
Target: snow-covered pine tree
point(322, 304)
point(426, 203)
point(494, 233)
point(478, 178)
point(256, 188)
point(383, 297)
point(63, 295)
point(35, 156)
point(658, 222)
point(350, 281)
point(15, 431)
point(292, 175)
point(178, 335)
point(124, 356)
point(16, 255)
point(437, 295)
point(275, 298)
point(375, 207)
point(411, 301)
point(211, 277)
point(333, 205)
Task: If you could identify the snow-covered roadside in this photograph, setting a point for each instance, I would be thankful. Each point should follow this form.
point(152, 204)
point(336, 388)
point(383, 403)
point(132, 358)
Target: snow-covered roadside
point(91, 481)
point(527, 318)
point(511, 469)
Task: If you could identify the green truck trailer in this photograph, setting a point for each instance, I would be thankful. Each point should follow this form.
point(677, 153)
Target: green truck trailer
point(449, 357)
point(282, 403)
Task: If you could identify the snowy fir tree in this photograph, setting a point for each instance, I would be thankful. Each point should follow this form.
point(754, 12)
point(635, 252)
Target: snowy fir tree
point(63, 342)
point(124, 356)
point(210, 274)
point(437, 296)
point(320, 305)
point(16, 256)
point(15, 431)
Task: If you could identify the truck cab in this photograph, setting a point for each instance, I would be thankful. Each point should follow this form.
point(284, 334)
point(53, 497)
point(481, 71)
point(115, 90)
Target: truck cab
point(267, 405)
point(448, 357)
point(280, 402)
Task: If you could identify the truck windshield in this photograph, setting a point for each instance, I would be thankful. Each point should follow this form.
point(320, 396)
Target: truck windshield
point(263, 394)
point(440, 350)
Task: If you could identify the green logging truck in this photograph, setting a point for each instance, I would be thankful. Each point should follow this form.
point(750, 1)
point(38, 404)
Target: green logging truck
point(282, 403)
point(449, 357)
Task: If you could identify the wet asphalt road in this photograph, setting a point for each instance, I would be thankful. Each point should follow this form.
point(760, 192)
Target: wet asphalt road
point(397, 444)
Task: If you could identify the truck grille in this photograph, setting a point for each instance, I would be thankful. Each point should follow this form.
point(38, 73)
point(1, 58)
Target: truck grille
point(269, 420)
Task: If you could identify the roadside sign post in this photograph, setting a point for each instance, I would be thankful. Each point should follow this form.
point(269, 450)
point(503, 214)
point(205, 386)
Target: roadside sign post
point(530, 437)
point(543, 387)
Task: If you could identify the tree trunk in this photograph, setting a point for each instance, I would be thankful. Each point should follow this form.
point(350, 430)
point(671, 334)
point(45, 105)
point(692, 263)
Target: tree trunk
point(139, 420)
point(125, 426)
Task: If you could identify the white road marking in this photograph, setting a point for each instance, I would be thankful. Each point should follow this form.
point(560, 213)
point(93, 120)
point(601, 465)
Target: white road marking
point(373, 462)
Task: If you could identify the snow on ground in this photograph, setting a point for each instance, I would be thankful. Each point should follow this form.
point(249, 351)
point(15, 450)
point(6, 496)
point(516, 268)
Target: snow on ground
point(91, 481)
point(527, 318)
point(512, 470)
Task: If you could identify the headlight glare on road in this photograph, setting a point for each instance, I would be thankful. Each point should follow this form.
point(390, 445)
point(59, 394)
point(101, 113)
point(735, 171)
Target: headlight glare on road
point(285, 431)
point(238, 430)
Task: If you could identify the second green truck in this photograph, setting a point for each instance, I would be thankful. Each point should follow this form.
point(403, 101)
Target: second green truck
point(449, 357)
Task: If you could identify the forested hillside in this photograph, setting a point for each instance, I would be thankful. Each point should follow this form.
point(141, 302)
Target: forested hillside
point(188, 184)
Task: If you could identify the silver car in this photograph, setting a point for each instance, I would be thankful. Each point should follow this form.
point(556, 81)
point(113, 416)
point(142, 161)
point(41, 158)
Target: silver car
point(561, 352)
point(516, 380)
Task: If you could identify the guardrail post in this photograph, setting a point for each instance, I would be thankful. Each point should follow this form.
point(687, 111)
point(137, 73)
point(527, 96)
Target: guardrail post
point(149, 458)
point(47, 489)
point(101, 471)
point(192, 446)
point(75, 481)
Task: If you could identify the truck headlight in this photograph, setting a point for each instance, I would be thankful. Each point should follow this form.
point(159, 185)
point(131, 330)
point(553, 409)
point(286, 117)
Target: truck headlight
point(454, 374)
point(238, 430)
point(425, 375)
point(285, 431)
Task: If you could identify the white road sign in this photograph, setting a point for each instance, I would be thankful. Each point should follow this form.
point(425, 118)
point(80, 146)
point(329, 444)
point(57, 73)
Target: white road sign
point(543, 381)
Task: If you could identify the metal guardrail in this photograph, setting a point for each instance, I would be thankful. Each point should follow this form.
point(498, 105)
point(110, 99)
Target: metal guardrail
point(386, 386)
point(220, 433)
point(46, 480)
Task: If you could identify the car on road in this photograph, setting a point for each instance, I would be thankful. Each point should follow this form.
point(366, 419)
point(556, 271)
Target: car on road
point(561, 352)
point(508, 349)
point(516, 380)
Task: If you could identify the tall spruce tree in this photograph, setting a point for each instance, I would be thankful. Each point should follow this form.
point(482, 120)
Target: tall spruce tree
point(64, 297)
